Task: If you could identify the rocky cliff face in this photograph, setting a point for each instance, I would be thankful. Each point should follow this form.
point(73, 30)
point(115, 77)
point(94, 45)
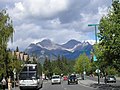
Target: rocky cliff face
point(71, 50)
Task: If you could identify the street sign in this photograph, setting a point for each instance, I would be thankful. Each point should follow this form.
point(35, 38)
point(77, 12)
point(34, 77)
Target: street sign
point(93, 24)
point(97, 71)
point(94, 58)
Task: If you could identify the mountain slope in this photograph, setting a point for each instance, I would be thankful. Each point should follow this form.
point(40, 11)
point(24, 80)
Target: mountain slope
point(71, 50)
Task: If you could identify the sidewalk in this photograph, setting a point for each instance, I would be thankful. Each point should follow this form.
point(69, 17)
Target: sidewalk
point(87, 82)
point(101, 86)
point(118, 78)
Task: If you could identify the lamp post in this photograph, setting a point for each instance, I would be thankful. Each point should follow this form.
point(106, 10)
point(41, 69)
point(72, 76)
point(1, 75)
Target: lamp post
point(97, 70)
point(95, 25)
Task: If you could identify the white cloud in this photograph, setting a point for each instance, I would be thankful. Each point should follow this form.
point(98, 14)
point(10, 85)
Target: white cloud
point(38, 8)
point(58, 20)
point(19, 6)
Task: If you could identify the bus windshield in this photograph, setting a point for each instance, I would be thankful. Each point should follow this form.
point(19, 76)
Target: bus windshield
point(27, 76)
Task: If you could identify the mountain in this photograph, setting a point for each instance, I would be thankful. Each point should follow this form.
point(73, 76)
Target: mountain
point(70, 44)
point(71, 50)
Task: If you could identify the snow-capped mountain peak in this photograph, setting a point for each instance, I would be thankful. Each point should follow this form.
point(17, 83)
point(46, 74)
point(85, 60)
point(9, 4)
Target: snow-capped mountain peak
point(71, 49)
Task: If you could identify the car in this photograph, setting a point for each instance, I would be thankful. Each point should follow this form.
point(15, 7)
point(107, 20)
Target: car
point(56, 79)
point(110, 79)
point(65, 78)
point(78, 76)
point(72, 79)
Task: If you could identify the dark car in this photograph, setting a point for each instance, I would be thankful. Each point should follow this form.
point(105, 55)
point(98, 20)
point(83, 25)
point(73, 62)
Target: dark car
point(110, 79)
point(72, 79)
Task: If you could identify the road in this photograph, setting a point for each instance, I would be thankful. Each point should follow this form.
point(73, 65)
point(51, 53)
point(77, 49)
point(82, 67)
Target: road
point(63, 86)
point(90, 83)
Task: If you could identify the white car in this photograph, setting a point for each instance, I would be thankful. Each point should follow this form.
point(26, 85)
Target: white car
point(56, 79)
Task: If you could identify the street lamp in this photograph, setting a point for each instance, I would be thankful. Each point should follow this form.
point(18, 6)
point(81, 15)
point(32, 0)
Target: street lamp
point(95, 25)
point(97, 70)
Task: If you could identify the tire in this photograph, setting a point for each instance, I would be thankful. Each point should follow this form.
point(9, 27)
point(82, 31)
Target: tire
point(76, 82)
point(21, 88)
point(41, 86)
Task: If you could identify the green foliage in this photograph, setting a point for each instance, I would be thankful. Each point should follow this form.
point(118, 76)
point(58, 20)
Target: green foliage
point(110, 37)
point(47, 68)
point(111, 71)
point(59, 66)
point(6, 33)
point(17, 49)
point(82, 64)
point(40, 68)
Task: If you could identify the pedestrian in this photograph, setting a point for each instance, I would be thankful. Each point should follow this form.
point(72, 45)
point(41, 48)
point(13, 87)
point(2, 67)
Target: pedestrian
point(9, 83)
point(3, 83)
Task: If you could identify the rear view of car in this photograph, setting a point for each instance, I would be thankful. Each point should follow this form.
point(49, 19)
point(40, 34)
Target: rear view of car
point(72, 79)
point(110, 79)
point(65, 78)
point(56, 79)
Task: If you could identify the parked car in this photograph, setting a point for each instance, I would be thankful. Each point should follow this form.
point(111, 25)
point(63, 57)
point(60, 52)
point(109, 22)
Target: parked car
point(72, 79)
point(110, 79)
point(78, 76)
point(56, 79)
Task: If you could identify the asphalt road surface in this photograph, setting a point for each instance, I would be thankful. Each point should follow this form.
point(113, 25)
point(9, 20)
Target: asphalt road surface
point(63, 86)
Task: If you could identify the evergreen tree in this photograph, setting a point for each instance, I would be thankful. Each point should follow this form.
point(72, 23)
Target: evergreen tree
point(17, 49)
point(47, 67)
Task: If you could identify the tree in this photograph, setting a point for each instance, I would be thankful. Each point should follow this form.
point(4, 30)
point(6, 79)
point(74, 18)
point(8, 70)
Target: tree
point(82, 64)
point(110, 37)
point(17, 49)
point(47, 67)
point(6, 33)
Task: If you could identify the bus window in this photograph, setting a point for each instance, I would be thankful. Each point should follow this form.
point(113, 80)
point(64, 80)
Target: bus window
point(24, 69)
point(23, 76)
point(31, 68)
point(32, 76)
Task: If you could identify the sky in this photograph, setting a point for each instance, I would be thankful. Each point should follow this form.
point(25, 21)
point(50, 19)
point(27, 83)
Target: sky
point(57, 20)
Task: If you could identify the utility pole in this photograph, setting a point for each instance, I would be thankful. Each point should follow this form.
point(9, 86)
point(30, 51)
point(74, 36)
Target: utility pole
point(97, 70)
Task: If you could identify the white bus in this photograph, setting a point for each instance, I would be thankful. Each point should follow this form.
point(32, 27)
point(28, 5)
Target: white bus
point(30, 77)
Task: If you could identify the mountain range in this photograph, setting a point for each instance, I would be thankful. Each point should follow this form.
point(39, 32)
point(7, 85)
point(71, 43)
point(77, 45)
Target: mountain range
point(71, 50)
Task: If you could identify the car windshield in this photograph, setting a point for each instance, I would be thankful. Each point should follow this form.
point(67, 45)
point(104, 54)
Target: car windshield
point(110, 76)
point(72, 76)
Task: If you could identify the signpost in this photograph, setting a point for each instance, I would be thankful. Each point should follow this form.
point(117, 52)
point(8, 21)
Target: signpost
point(95, 58)
point(98, 72)
point(14, 71)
